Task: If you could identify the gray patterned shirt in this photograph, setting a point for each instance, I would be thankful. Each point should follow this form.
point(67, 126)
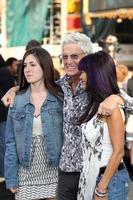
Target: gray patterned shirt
point(74, 106)
point(128, 101)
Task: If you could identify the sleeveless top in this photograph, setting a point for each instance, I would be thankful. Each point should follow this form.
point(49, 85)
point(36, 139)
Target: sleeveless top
point(97, 149)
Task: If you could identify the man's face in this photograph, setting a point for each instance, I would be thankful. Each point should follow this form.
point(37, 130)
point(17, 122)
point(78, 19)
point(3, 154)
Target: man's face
point(71, 55)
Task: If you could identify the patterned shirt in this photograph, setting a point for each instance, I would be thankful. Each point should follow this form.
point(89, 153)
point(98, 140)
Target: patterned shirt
point(128, 107)
point(74, 107)
point(128, 102)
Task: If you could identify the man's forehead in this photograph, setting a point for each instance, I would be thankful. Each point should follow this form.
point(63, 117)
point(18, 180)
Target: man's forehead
point(74, 45)
point(71, 48)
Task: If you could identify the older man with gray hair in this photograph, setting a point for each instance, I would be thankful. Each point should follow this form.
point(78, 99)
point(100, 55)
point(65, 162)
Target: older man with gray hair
point(74, 47)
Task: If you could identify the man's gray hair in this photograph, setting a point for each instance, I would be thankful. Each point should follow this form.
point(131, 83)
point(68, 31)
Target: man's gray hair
point(81, 39)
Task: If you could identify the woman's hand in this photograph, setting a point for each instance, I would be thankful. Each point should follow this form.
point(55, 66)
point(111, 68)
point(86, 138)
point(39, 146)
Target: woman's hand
point(13, 190)
point(99, 198)
point(100, 193)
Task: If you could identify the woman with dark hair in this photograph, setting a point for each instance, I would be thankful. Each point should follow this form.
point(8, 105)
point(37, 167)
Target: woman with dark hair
point(34, 130)
point(103, 174)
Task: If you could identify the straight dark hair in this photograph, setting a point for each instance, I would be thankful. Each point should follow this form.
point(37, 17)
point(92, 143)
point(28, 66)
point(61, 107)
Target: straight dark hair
point(102, 81)
point(45, 61)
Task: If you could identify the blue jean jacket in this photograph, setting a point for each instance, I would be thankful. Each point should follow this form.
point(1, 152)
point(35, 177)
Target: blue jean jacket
point(19, 134)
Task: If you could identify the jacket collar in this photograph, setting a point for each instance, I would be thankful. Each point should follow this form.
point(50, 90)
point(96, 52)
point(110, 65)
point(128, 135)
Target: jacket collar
point(26, 95)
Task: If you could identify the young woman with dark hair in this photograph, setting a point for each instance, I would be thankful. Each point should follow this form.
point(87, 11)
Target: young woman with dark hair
point(103, 174)
point(34, 130)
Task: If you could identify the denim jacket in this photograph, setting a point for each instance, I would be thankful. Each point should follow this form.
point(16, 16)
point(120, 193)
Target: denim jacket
point(19, 134)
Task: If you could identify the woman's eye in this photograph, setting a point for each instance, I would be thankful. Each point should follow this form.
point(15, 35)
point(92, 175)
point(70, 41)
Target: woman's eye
point(32, 65)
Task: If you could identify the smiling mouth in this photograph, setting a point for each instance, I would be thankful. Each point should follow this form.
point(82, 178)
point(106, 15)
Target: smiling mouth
point(71, 68)
point(28, 75)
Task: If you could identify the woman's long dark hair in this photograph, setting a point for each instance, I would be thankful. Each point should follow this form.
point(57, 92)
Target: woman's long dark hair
point(46, 63)
point(102, 81)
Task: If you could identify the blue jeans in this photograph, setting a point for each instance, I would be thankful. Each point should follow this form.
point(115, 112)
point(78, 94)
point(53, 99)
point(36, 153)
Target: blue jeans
point(2, 147)
point(118, 187)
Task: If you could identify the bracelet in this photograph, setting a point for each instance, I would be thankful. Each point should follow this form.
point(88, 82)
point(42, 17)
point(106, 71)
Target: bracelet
point(100, 194)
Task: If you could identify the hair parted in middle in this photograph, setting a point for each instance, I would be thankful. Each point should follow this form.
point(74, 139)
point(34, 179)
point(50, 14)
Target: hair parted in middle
point(44, 59)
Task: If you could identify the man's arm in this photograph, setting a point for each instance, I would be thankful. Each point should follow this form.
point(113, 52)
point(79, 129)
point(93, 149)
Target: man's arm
point(128, 100)
point(110, 103)
point(8, 98)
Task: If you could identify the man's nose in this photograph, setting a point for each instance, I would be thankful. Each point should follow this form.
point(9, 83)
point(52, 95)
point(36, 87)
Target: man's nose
point(69, 59)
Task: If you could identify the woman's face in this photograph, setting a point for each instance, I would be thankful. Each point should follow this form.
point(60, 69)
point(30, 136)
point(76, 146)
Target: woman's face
point(83, 77)
point(32, 70)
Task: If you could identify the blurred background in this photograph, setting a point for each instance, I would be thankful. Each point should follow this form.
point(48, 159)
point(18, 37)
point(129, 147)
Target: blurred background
point(49, 20)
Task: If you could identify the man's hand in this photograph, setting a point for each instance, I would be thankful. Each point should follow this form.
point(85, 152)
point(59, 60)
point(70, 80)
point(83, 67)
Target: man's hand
point(8, 98)
point(110, 104)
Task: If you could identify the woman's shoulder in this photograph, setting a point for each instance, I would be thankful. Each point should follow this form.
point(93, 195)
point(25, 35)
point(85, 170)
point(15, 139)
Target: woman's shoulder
point(117, 115)
point(51, 97)
point(21, 98)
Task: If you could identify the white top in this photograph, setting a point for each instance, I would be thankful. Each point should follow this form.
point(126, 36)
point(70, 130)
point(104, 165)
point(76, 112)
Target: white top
point(106, 146)
point(97, 150)
point(37, 126)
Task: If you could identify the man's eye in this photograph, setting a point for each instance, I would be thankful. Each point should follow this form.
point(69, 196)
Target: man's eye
point(65, 57)
point(74, 56)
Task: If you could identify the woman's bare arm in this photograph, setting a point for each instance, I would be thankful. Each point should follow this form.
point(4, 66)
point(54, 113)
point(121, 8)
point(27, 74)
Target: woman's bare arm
point(116, 130)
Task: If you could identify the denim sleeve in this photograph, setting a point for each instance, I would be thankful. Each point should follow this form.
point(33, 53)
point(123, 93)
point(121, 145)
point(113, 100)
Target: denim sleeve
point(11, 158)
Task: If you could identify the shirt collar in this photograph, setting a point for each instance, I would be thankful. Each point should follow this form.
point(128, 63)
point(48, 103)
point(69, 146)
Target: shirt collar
point(67, 82)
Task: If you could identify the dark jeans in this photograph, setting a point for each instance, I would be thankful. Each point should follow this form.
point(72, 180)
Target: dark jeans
point(5, 194)
point(68, 185)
